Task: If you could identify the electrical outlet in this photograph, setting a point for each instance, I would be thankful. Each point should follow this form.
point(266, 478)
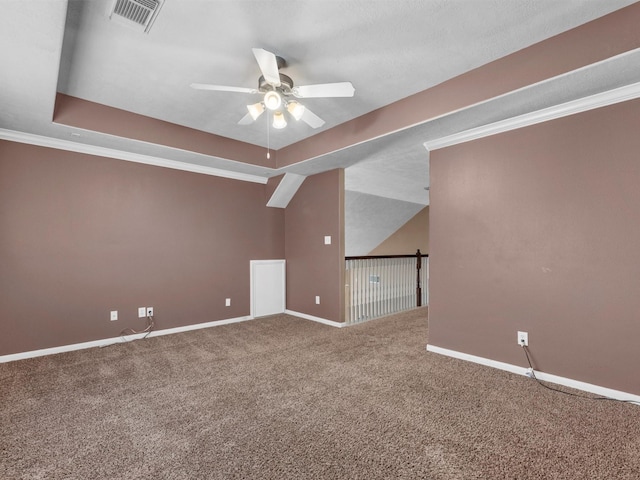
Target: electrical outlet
point(317, 299)
point(227, 302)
point(142, 312)
point(149, 311)
point(114, 315)
point(523, 339)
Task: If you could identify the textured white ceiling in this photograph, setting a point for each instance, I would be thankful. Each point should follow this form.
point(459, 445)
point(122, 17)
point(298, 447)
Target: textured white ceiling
point(387, 49)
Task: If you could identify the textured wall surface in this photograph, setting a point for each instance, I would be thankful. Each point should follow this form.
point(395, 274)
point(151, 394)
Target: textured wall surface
point(412, 236)
point(370, 219)
point(81, 236)
point(538, 230)
point(313, 268)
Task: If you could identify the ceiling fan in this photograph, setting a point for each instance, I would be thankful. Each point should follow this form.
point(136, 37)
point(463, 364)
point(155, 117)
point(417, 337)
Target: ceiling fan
point(279, 93)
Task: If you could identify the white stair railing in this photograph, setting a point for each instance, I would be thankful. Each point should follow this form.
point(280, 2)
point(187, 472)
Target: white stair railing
point(382, 285)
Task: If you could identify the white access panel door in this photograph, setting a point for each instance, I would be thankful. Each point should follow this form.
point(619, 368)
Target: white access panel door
point(267, 287)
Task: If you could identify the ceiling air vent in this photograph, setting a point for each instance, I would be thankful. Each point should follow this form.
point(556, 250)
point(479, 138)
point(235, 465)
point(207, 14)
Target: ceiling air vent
point(140, 13)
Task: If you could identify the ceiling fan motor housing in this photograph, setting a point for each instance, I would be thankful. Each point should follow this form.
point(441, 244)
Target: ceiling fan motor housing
point(286, 85)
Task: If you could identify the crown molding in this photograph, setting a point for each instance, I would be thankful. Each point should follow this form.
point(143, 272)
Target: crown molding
point(60, 144)
point(617, 95)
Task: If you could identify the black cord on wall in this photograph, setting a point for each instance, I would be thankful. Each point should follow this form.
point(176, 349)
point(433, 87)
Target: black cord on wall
point(571, 394)
point(148, 329)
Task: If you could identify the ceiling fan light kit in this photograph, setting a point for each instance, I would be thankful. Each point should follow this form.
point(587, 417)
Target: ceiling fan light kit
point(278, 120)
point(272, 100)
point(255, 110)
point(276, 87)
point(295, 109)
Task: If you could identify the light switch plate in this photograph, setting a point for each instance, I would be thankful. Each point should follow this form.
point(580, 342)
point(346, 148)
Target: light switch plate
point(327, 239)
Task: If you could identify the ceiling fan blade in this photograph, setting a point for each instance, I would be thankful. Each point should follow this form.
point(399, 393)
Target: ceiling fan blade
point(340, 89)
point(246, 120)
point(311, 119)
point(222, 88)
point(268, 66)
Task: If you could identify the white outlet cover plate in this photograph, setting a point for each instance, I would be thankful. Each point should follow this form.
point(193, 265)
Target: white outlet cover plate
point(227, 302)
point(142, 312)
point(114, 315)
point(327, 240)
point(523, 339)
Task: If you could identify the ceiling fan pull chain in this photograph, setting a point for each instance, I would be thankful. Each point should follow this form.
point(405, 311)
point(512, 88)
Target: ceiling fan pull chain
point(268, 143)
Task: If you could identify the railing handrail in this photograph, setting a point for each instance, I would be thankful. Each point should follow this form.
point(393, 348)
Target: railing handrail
point(366, 257)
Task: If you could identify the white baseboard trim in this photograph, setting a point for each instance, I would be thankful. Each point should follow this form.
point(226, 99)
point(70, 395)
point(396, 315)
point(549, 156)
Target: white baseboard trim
point(546, 377)
point(112, 341)
point(315, 319)
point(198, 326)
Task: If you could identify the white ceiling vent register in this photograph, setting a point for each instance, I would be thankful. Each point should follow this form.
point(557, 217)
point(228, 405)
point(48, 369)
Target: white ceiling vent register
point(139, 14)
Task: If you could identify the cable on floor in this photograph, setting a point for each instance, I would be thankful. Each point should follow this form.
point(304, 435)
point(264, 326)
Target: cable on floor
point(571, 394)
point(130, 331)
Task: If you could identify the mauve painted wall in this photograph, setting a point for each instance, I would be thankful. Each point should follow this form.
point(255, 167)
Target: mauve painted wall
point(76, 112)
point(314, 268)
point(410, 237)
point(83, 235)
point(539, 230)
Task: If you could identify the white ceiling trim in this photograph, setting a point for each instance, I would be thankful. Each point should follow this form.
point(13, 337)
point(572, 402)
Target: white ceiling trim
point(59, 144)
point(617, 95)
point(285, 190)
point(492, 99)
point(628, 92)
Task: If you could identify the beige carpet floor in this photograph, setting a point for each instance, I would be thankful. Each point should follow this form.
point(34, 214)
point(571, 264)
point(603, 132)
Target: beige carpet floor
point(285, 398)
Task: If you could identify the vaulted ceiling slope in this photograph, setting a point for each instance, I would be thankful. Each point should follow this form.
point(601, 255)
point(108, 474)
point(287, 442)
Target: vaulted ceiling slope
point(422, 70)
